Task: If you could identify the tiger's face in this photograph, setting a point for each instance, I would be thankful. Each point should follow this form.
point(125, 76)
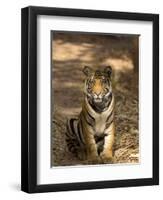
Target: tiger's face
point(98, 87)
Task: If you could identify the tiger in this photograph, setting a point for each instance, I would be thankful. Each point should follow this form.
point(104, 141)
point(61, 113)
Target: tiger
point(91, 135)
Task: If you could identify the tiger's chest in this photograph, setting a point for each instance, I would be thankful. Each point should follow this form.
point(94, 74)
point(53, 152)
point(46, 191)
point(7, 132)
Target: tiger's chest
point(100, 123)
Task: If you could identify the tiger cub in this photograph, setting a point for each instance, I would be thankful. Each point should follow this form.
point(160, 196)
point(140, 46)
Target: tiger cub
point(91, 135)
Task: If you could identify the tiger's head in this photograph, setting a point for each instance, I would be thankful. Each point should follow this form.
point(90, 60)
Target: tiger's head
point(98, 88)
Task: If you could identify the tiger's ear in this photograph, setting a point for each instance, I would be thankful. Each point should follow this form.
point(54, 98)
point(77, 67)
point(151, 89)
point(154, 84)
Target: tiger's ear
point(108, 71)
point(87, 71)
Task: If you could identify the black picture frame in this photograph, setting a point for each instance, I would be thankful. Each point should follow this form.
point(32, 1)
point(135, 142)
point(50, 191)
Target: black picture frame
point(29, 98)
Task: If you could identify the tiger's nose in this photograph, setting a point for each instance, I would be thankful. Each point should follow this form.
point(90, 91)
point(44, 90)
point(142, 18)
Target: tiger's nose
point(98, 93)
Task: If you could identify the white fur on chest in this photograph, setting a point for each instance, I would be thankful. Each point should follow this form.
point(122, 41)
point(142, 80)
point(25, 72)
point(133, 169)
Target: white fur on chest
point(100, 118)
point(100, 122)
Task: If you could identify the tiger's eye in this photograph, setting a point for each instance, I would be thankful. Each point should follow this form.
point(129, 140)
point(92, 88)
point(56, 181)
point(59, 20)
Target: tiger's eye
point(104, 81)
point(91, 82)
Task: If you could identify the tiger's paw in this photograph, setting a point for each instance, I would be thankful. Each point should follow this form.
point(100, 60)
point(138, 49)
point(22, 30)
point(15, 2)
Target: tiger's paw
point(94, 160)
point(81, 155)
point(107, 159)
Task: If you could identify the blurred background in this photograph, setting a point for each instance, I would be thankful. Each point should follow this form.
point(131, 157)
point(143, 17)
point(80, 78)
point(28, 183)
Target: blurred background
point(71, 51)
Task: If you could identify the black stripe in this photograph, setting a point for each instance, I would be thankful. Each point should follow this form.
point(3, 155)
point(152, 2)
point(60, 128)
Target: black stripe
point(85, 118)
point(90, 116)
point(79, 133)
point(109, 115)
point(69, 133)
point(108, 124)
point(72, 125)
point(110, 99)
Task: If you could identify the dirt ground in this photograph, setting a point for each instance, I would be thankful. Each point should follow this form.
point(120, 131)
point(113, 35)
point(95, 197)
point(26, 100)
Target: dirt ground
point(70, 53)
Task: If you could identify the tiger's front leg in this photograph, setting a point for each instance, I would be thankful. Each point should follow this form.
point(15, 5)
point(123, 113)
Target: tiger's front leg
point(107, 153)
point(91, 148)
